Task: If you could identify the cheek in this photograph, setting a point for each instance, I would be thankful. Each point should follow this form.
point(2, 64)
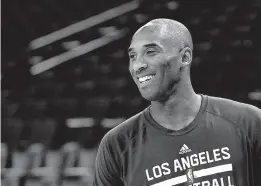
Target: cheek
point(165, 69)
point(168, 62)
point(130, 69)
point(172, 66)
point(169, 72)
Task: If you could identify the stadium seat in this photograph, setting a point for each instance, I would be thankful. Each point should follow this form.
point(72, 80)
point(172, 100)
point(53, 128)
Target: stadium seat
point(36, 169)
point(79, 129)
point(4, 153)
point(11, 133)
point(70, 169)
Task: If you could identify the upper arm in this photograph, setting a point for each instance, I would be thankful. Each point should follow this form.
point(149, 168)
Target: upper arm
point(255, 114)
point(107, 165)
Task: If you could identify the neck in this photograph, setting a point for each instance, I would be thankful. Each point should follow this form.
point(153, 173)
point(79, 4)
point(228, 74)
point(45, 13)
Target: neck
point(179, 110)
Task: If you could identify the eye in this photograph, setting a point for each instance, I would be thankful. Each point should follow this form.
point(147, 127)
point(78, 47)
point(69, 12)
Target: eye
point(132, 56)
point(151, 51)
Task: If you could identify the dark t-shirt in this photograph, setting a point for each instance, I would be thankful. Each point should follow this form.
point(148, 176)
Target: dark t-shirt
point(221, 147)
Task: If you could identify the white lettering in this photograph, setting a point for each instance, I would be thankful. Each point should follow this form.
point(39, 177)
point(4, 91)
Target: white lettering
point(222, 181)
point(201, 158)
point(215, 182)
point(177, 165)
point(185, 162)
point(216, 154)
point(148, 176)
point(194, 160)
point(205, 183)
point(229, 181)
point(196, 184)
point(165, 168)
point(208, 158)
point(157, 173)
point(225, 151)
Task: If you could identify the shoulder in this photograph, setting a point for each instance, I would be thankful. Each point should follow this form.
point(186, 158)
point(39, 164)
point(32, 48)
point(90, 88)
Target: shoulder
point(121, 134)
point(243, 116)
point(233, 110)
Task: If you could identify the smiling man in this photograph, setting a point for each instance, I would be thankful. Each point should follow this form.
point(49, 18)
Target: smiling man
point(182, 138)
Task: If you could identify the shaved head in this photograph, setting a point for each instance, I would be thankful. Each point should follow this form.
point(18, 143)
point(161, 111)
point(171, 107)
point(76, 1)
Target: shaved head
point(169, 30)
point(161, 51)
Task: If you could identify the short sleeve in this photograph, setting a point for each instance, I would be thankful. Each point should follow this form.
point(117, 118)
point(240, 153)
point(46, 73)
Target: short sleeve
point(107, 169)
point(256, 114)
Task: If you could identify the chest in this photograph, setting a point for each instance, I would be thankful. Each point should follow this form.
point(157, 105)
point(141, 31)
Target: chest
point(209, 158)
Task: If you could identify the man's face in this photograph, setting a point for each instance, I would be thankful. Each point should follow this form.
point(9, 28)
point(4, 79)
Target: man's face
point(154, 65)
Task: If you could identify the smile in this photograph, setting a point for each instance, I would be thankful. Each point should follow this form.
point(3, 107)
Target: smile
point(145, 80)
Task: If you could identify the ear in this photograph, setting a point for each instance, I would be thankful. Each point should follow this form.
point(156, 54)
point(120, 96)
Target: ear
point(186, 56)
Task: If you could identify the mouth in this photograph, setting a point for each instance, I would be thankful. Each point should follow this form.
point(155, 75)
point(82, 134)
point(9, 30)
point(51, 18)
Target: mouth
point(145, 80)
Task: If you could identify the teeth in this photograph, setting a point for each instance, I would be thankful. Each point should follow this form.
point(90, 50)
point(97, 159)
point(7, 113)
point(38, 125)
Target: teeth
point(145, 78)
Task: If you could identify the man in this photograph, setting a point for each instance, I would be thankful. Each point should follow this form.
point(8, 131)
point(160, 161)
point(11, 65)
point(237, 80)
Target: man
point(182, 138)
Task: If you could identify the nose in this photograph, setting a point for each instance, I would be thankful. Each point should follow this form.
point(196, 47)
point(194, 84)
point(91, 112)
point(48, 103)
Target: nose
point(139, 66)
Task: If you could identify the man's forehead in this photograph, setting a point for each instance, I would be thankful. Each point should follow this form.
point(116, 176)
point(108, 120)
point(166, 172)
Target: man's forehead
point(149, 27)
point(141, 41)
point(149, 30)
point(145, 39)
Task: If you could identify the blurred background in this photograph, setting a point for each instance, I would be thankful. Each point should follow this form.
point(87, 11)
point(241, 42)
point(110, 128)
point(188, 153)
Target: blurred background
point(65, 79)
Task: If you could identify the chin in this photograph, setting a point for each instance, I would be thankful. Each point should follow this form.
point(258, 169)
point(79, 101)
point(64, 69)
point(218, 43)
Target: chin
point(157, 95)
point(150, 96)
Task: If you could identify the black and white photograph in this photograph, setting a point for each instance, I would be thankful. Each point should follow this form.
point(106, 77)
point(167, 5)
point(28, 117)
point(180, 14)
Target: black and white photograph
point(131, 93)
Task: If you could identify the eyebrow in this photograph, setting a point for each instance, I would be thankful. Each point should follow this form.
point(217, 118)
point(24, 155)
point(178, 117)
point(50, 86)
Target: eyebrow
point(146, 46)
